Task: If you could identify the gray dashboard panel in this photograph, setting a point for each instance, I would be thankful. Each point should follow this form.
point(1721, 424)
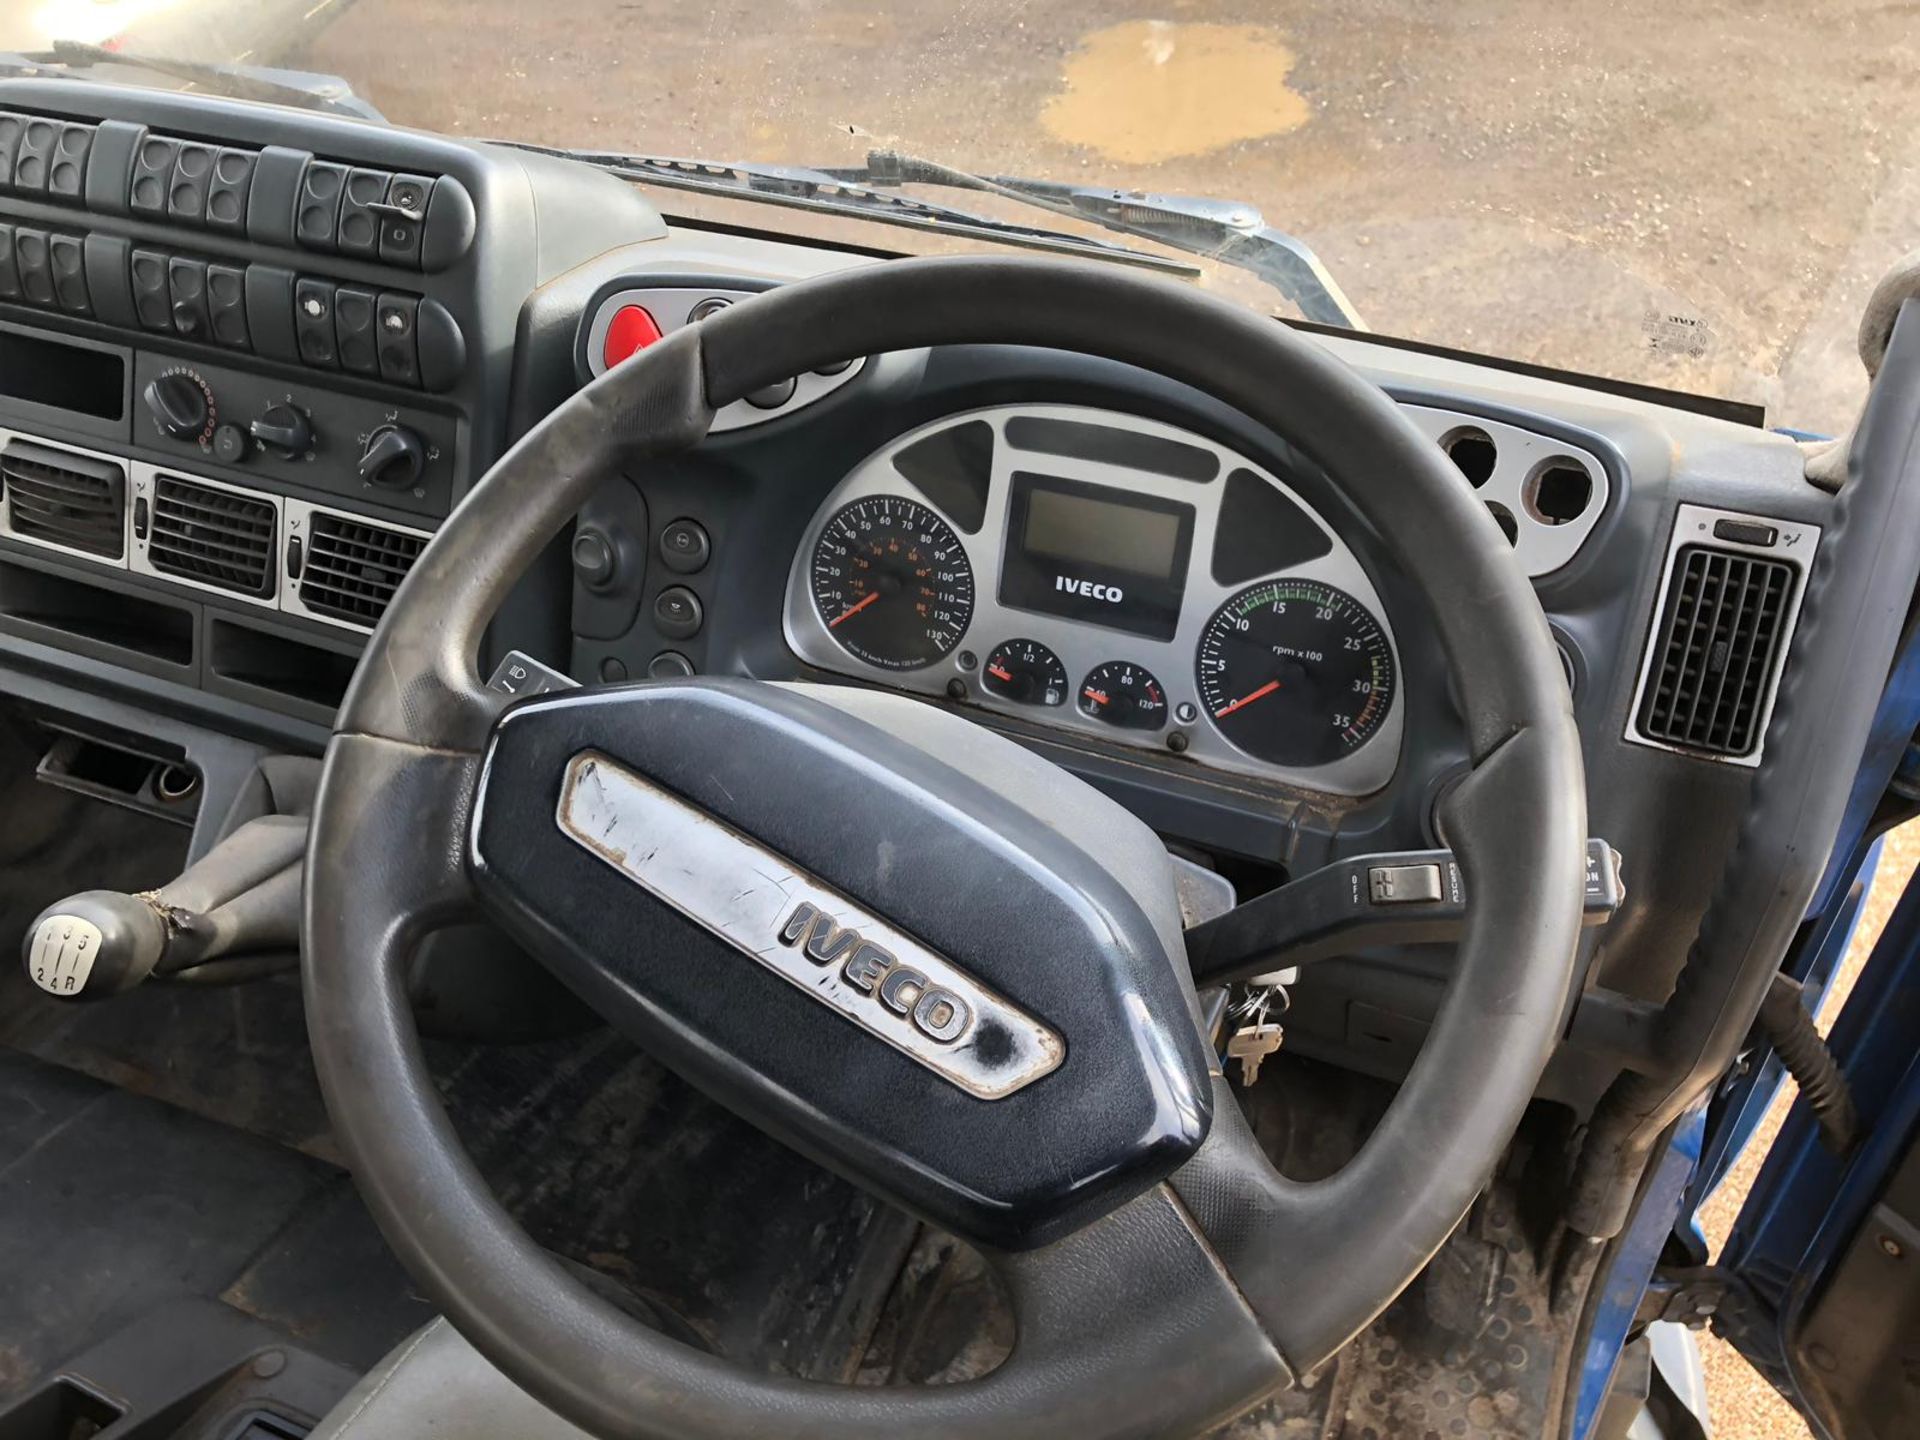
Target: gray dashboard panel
point(1080, 645)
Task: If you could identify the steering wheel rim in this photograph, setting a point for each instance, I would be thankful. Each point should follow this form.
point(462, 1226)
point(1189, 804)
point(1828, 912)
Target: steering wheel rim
point(1195, 1298)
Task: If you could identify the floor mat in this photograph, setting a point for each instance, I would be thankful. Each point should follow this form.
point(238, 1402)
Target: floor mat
point(114, 1205)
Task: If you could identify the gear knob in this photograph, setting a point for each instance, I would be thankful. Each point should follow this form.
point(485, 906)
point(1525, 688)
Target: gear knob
point(94, 944)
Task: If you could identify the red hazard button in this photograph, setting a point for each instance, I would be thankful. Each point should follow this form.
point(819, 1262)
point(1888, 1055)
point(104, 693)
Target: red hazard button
point(630, 330)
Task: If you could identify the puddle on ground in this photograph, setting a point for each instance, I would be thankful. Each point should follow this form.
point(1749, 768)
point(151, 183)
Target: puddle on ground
point(1153, 90)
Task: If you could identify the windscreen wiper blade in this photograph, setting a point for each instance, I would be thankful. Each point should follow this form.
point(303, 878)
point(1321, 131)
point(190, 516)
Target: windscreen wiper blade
point(804, 188)
point(1225, 230)
point(239, 82)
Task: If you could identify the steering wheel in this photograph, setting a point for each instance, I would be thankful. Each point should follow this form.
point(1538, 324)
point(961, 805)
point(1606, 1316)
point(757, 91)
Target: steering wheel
point(906, 946)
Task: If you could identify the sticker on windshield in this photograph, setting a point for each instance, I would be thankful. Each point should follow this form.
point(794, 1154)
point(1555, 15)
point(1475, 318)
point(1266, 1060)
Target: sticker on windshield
point(1674, 332)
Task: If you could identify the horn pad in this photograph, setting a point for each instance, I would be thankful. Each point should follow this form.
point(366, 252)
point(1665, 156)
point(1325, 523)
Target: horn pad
point(898, 942)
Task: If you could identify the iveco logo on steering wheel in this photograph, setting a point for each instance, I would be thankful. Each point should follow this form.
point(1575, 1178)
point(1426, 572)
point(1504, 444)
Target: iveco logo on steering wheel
point(1092, 590)
point(891, 984)
point(933, 1010)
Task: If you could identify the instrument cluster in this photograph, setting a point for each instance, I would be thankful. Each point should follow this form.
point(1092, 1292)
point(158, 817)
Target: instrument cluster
point(1096, 572)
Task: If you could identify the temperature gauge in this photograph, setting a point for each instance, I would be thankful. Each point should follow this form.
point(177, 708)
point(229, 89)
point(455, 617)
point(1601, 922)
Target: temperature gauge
point(1123, 694)
point(1025, 672)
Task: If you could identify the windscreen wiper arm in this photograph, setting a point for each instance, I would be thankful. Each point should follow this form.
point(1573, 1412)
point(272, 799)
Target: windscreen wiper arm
point(805, 188)
point(1225, 230)
point(238, 82)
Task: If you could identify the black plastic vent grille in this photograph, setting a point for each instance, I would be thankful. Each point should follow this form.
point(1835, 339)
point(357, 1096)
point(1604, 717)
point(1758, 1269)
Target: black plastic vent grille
point(354, 566)
point(1716, 649)
point(64, 499)
point(216, 537)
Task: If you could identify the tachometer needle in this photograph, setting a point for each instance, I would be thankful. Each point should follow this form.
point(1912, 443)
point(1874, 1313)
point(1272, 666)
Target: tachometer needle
point(855, 609)
point(1246, 700)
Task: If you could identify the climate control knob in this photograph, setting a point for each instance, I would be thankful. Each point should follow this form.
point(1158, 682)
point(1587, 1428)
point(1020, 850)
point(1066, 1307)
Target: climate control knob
point(283, 430)
point(180, 403)
point(394, 458)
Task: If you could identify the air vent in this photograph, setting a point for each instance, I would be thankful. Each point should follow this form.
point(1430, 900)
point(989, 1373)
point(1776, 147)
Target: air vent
point(1716, 650)
point(352, 567)
point(58, 498)
point(218, 538)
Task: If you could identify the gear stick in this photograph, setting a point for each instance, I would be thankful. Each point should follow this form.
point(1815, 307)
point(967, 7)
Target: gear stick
point(232, 915)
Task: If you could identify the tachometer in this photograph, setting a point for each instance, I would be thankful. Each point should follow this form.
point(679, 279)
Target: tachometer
point(1295, 672)
point(892, 582)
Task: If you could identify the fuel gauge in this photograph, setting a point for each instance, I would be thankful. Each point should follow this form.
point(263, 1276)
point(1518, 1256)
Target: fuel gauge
point(1121, 693)
point(1025, 672)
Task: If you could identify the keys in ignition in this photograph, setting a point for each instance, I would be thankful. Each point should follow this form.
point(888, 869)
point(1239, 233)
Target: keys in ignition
point(1250, 1045)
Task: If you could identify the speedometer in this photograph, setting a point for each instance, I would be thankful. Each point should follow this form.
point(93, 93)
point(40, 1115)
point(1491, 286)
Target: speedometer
point(892, 582)
point(1295, 672)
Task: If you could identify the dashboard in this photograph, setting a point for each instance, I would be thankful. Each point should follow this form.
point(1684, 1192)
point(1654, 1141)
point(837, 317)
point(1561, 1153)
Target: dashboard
point(251, 358)
point(1105, 575)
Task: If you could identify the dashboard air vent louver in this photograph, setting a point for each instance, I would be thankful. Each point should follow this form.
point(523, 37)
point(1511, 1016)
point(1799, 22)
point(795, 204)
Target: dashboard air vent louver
point(213, 537)
point(353, 567)
point(1716, 649)
point(59, 498)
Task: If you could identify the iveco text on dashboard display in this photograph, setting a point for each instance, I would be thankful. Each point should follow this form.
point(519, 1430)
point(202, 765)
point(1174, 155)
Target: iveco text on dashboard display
point(1092, 553)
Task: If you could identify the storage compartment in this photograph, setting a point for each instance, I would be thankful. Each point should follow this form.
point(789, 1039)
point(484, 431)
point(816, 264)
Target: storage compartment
point(121, 771)
point(267, 664)
point(95, 616)
point(59, 1410)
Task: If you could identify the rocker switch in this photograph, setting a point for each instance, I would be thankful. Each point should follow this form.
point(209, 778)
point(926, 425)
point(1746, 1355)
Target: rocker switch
point(1403, 884)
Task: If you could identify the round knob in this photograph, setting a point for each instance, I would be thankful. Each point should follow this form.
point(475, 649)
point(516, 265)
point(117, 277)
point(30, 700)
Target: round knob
point(99, 942)
point(180, 404)
point(283, 431)
point(394, 458)
point(594, 559)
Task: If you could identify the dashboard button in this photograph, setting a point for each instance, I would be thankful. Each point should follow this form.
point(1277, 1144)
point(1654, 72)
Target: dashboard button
point(35, 262)
point(359, 222)
point(595, 560)
point(772, 397)
point(632, 329)
point(395, 322)
point(401, 216)
point(152, 175)
point(227, 190)
point(227, 305)
point(1745, 532)
point(677, 613)
point(151, 302)
point(684, 547)
point(67, 259)
point(316, 215)
point(313, 322)
point(192, 173)
point(9, 272)
point(1403, 884)
point(187, 284)
point(230, 445)
point(669, 665)
point(353, 328)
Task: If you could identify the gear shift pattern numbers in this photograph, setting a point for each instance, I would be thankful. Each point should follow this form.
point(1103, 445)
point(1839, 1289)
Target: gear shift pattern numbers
point(63, 953)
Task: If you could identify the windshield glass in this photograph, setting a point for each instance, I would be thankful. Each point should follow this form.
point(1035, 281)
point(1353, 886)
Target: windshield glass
point(1689, 196)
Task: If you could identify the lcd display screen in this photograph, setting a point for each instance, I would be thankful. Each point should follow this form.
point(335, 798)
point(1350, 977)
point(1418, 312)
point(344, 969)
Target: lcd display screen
point(1101, 532)
point(1096, 554)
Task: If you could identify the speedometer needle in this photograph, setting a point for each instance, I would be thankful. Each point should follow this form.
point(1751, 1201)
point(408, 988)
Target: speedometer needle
point(1246, 700)
point(855, 609)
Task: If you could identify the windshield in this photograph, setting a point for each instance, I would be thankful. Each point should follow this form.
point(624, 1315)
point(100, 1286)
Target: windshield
point(1697, 197)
